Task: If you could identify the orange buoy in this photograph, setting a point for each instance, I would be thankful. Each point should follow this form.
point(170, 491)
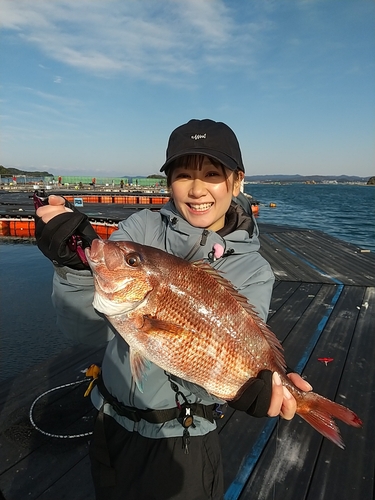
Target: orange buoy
point(4, 228)
point(103, 229)
point(25, 228)
point(21, 228)
point(273, 205)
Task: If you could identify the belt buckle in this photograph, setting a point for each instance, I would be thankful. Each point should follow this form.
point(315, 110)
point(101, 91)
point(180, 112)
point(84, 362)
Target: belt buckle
point(186, 417)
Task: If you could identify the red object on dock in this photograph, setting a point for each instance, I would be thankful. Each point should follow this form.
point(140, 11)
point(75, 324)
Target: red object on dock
point(325, 360)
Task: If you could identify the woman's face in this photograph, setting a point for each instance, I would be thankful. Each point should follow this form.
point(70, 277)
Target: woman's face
point(202, 194)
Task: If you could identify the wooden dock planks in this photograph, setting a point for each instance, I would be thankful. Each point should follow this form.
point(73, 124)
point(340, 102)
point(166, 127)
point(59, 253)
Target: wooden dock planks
point(313, 256)
point(29, 461)
point(298, 462)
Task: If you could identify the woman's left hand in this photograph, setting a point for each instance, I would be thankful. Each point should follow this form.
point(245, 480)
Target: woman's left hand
point(282, 401)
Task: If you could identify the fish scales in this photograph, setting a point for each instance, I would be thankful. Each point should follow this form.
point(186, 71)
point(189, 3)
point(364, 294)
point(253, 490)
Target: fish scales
point(213, 336)
point(187, 319)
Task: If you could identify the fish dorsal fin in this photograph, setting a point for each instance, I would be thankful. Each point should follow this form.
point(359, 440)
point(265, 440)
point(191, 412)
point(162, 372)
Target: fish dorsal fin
point(271, 338)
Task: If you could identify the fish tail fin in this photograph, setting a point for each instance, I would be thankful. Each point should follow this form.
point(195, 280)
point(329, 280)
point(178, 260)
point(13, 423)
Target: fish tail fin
point(320, 412)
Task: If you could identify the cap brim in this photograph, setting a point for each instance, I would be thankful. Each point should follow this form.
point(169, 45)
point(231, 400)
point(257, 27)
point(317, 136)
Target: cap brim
point(227, 161)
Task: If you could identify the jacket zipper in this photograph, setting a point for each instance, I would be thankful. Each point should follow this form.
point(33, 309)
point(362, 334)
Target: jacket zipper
point(204, 237)
point(197, 244)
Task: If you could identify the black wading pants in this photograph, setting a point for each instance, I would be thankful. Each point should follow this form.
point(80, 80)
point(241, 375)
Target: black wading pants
point(139, 468)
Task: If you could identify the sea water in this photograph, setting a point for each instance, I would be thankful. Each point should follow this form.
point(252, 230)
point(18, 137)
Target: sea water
point(341, 210)
point(28, 327)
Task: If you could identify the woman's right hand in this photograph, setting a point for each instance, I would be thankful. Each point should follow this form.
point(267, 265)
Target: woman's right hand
point(56, 206)
point(57, 226)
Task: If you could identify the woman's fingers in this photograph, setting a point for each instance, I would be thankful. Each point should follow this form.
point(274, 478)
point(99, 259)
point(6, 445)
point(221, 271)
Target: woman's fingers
point(289, 405)
point(277, 396)
point(283, 402)
point(56, 206)
point(56, 200)
point(300, 382)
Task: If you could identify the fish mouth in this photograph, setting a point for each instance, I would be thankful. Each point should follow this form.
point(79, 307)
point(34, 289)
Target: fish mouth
point(106, 287)
point(200, 207)
point(97, 259)
point(94, 254)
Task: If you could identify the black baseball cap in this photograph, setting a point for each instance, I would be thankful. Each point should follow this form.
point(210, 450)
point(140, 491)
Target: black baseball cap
point(205, 137)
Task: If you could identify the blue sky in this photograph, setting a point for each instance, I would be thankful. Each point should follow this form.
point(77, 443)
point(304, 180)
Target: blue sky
point(94, 87)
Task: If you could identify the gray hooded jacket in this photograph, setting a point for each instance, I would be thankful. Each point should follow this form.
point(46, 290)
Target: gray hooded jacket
point(167, 230)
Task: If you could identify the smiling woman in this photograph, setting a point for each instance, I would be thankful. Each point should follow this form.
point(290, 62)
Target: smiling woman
point(162, 454)
point(202, 190)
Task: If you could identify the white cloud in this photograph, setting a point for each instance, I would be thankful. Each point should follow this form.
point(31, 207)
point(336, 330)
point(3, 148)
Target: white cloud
point(148, 39)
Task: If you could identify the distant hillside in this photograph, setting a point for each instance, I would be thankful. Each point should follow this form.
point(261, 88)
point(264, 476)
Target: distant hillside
point(305, 178)
point(15, 171)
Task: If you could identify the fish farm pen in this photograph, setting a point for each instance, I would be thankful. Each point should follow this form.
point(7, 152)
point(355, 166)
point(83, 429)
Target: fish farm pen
point(323, 312)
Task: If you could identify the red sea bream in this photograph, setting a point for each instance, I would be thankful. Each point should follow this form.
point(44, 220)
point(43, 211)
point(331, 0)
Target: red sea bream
point(187, 319)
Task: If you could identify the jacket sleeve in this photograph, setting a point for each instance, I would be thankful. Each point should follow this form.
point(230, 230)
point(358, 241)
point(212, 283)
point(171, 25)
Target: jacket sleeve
point(258, 289)
point(72, 297)
point(142, 227)
point(252, 276)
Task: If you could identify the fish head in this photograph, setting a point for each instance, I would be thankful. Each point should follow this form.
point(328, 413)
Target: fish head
point(120, 276)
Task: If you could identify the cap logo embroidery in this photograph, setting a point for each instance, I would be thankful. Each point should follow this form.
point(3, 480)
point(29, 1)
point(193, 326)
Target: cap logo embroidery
point(198, 136)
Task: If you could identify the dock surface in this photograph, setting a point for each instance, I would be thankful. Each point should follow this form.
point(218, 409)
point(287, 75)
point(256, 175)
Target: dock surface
point(323, 312)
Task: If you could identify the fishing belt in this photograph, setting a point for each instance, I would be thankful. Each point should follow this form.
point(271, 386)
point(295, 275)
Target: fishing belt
point(183, 412)
point(152, 416)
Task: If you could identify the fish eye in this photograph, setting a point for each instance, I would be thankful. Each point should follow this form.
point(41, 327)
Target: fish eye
point(133, 259)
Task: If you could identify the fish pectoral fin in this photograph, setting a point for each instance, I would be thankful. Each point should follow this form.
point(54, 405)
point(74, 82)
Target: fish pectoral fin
point(139, 366)
point(150, 324)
